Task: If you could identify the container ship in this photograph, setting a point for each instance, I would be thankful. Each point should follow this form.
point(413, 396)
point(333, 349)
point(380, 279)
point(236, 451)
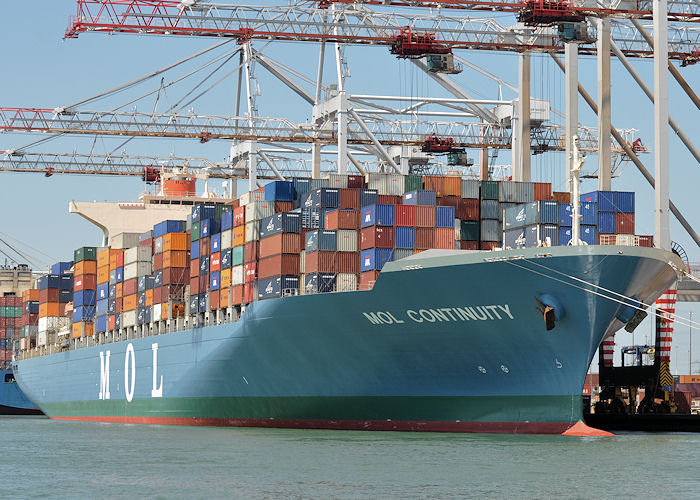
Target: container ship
point(385, 302)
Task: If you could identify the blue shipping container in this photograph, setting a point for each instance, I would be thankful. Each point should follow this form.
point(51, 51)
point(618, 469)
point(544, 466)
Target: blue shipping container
point(377, 215)
point(215, 244)
point(102, 307)
point(31, 307)
point(65, 296)
point(419, 197)
point(48, 281)
point(310, 218)
point(202, 302)
point(112, 291)
point(319, 283)
point(83, 313)
point(168, 226)
point(564, 235)
point(226, 258)
point(194, 303)
point(194, 250)
point(61, 267)
point(589, 235)
point(565, 210)
point(277, 286)
point(142, 299)
point(321, 198)
point(604, 199)
point(143, 315)
point(375, 258)
point(111, 306)
point(84, 298)
point(101, 323)
point(624, 201)
point(368, 197)
point(607, 222)
point(66, 282)
point(157, 278)
point(280, 191)
point(283, 222)
point(102, 291)
point(208, 227)
point(405, 237)
point(489, 209)
point(203, 211)
point(119, 274)
point(324, 239)
point(445, 217)
point(589, 213)
point(214, 280)
point(226, 221)
point(301, 185)
point(203, 265)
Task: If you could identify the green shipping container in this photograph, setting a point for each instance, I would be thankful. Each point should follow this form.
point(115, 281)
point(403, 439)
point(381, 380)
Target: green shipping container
point(85, 253)
point(470, 230)
point(14, 311)
point(195, 231)
point(489, 190)
point(219, 210)
point(2, 311)
point(413, 183)
point(237, 255)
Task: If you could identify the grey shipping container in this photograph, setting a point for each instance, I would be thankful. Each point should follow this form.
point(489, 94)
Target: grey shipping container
point(490, 230)
point(507, 191)
point(470, 189)
point(526, 192)
point(489, 209)
point(531, 236)
point(537, 212)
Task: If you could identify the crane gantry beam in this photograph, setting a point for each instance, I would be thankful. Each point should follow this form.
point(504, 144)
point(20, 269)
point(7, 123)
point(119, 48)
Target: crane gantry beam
point(278, 130)
point(347, 25)
point(679, 10)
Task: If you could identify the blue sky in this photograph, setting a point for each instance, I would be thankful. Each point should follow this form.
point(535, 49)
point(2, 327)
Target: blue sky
point(42, 70)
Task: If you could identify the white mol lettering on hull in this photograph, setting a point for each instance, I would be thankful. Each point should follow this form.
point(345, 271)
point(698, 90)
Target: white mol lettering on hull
point(129, 374)
point(442, 314)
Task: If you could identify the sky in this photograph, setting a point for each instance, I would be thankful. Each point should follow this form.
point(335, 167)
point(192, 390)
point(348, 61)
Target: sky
point(42, 70)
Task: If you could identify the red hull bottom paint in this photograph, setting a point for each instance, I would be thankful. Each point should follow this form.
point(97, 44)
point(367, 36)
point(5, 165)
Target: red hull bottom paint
point(565, 428)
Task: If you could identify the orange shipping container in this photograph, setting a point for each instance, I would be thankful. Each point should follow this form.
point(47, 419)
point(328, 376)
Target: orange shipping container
point(83, 329)
point(425, 216)
point(239, 216)
point(425, 237)
point(445, 238)
point(224, 297)
point(119, 290)
point(30, 295)
point(106, 256)
point(342, 219)
point(85, 267)
point(130, 302)
point(281, 264)
point(175, 258)
point(236, 295)
point(49, 309)
point(280, 243)
point(164, 310)
point(214, 300)
point(435, 183)
point(149, 297)
point(239, 235)
point(225, 278)
point(452, 186)
point(543, 191)
point(103, 274)
point(116, 259)
point(174, 241)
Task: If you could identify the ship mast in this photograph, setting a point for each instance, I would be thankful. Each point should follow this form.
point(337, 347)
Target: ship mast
point(576, 166)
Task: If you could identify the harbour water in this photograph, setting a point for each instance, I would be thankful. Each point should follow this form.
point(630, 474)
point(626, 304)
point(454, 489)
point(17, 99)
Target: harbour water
point(53, 459)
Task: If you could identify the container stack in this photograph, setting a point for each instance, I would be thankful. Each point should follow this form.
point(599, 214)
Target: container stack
point(162, 293)
point(531, 224)
point(115, 289)
point(84, 291)
point(55, 291)
point(616, 218)
point(205, 228)
point(10, 318)
point(104, 256)
point(30, 318)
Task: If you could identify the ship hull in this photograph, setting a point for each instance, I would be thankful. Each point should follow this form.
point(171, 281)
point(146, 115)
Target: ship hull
point(450, 341)
point(12, 400)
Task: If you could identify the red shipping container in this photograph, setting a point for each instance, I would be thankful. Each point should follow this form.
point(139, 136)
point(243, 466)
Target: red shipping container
point(214, 300)
point(377, 237)
point(389, 199)
point(239, 216)
point(343, 219)
point(111, 322)
point(467, 209)
point(624, 223)
point(302, 241)
point(543, 191)
point(235, 203)
point(215, 262)
point(236, 295)
point(425, 216)
point(158, 293)
point(488, 245)
point(356, 182)
point(194, 287)
point(562, 197)
point(448, 201)
point(284, 206)
point(367, 279)
point(118, 305)
point(145, 243)
point(175, 275)
point(280, 264)
point(203, 283)
point(158, 261)
point(250, 271)
point(452, 186)
point(204, 246)
point(646, 241)
point(436, 183)
point(131, 286)
point(347, 262)
point(84, 282)
point(248, 293)
point(194, 267)
point(445, 238)
point(320, 262)
point(280, 243)
point(251, 251)
point(350, 198)
point(49, 295)
point(425, 238)
point(405, 215)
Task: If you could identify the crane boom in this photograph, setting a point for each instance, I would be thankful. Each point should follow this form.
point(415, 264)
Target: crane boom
point(349, 25)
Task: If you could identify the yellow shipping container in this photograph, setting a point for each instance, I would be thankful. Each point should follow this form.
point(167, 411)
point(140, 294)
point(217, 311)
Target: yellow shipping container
point(83, 329)
point(225, 278)
point(239, 236)
point(224, 293)
point(130, 302)
point(149, 297)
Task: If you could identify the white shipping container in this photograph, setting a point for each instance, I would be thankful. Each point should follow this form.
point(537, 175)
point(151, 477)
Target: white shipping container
point(395, 184)
point(227, 239)
point(259, 210)
point(48, 323)
point(136, 270)
point(237, 275)
point(158, 245)
point(31, 331)
point(157, 310)
point(377, 180)
point(252, 231)
point(41, 339)
point(128, 318)
point(124, 240)
point(345, 282)
point(251, 196)
point(339, 181)
point(346, 240)
point(458, 230)
point(24, 344)
point(137, 254)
